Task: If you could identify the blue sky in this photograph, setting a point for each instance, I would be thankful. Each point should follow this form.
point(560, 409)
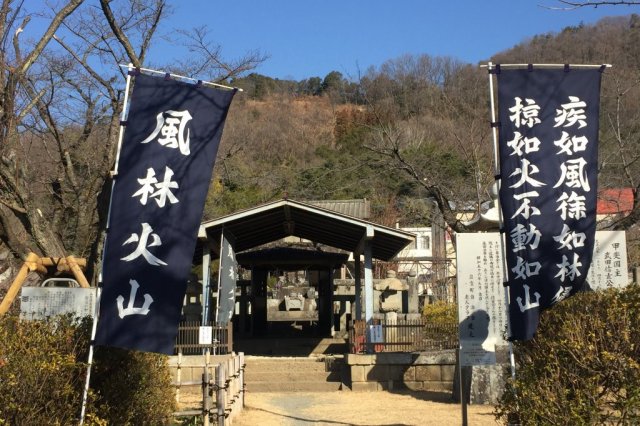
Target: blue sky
point(311, 38)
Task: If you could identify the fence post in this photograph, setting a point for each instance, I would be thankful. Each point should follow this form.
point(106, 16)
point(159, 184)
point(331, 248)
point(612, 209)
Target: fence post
point(206, 405)
point(220, 393)
point(241, 378)
point(231, 395)
point(179, 375)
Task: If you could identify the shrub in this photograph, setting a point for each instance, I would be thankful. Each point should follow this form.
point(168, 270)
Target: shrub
point(440, 313)
point(133, 388)
point(442, 325)
point(42, 377)
point(41, 372)
point(583, 365)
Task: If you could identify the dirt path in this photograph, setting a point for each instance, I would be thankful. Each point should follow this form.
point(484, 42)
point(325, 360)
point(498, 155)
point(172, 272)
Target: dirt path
point(358, 409)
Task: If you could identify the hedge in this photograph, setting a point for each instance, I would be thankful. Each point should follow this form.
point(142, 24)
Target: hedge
point(583, 366)
point(42, 376)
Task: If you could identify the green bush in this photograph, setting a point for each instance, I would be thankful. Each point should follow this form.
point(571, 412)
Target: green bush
point(42, 376)
point(583, 367)
point(440, 313)
point(133, 388)
point(441, 330)
point(41, 372)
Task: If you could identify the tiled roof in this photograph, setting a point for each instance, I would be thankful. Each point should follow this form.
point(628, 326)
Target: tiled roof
point(615, 200)
point(360, 209)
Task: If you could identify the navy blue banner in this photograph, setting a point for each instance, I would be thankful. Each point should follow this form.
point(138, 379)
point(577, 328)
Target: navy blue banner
point(168, 152)
point(548, 166)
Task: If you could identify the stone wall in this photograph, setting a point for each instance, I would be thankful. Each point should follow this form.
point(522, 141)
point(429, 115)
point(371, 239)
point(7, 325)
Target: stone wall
point(433, 371)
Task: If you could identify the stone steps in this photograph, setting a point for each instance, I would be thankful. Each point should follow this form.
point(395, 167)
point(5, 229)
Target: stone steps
point(288, 347)
point(293, 374)
point(293, 387)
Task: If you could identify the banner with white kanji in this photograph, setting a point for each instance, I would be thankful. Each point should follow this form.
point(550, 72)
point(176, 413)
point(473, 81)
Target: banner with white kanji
point(169, 147)
point(548, 167)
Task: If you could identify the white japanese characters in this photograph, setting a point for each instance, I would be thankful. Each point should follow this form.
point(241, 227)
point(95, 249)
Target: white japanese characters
point(130, 309)
point(528, 188)
point(143, 244)
point(172, 132)
point(161, 192)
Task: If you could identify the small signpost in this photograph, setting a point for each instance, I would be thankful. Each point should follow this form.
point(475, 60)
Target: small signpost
point(38, 303)
point(205, 336)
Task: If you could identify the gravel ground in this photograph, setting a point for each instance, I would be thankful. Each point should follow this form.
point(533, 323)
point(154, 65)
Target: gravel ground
point(358, 409)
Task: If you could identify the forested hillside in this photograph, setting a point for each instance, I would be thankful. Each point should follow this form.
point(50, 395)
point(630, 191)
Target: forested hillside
point(415, 127)
point(409, 132)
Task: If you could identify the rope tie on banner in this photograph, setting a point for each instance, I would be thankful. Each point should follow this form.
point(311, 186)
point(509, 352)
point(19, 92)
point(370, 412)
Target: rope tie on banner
point(567, 68)
point(167, 77)
point(495, 70)
point(530, 67)
point(124, 123)
point(602, 68)
point(497, 176)
point(134, 72)
point(495, 124)
point(199, 83)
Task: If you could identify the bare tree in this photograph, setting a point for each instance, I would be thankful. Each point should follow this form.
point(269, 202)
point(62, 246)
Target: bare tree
point(440, 141)
point(23, 224)
point(59, 120)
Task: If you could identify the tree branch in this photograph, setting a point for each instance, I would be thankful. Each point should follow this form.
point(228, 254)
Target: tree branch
point(120, 35)
point(48, 35)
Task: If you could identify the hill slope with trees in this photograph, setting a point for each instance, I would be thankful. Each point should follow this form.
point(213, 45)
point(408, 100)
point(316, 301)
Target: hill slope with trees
point(412, 129)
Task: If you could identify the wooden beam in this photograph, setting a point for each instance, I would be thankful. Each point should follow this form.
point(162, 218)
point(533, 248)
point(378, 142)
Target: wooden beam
point(62, 261)
point(30, 264)
point(77, 272)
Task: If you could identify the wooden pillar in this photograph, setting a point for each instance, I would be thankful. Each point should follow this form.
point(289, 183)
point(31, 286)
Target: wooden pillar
point(358, 283)
point(242, 321)
point(206, 284)
point(368, 283)
point(259, 300)
point(325, 302)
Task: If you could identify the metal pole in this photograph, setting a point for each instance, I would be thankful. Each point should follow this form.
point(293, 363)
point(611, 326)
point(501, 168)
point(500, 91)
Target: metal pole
point(104, 250)
point(219, 277)
point(463, 396)
point(182, 77)
point(490, 65)
point(206, 282)
point(496, 170)
point(94, 326)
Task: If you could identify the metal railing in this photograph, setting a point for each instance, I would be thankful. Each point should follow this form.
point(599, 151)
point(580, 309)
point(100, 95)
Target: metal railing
point(403, 336)
point(188, 339)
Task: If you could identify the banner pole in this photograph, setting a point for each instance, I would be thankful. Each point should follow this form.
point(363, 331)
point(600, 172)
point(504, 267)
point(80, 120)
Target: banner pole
point(219, 277)
point(489, 65)
point(94, 326)
point(96, 314)
point(182, 77)
point(496, 170)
